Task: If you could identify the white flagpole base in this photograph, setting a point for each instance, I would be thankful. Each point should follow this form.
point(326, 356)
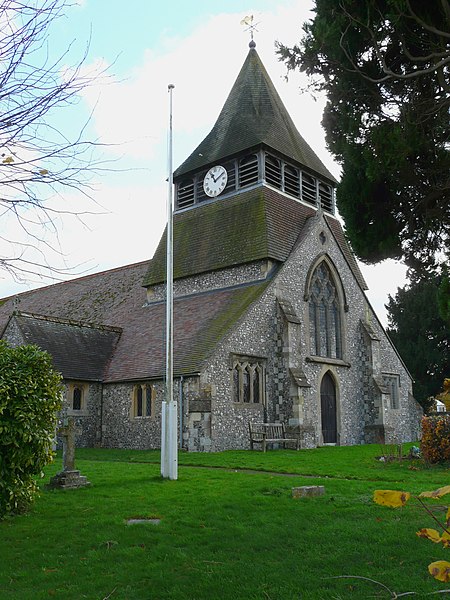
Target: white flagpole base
point(169, 441)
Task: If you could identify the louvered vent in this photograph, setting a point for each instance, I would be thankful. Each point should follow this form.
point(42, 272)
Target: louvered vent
point(273, 171)
point(185, 193)
point(248, 170)
point(309, 190)
point(326, 197)
point(292, 180)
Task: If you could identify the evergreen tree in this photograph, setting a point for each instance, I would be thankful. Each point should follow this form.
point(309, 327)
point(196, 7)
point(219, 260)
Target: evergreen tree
point(384, 66)
point(421, 336)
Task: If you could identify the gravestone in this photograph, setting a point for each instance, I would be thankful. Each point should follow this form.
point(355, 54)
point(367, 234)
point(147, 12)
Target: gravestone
point(308, 491)
point(69, 477)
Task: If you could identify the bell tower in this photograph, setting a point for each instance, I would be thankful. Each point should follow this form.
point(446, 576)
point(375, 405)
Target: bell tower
point(253, 143)
point(245, 192)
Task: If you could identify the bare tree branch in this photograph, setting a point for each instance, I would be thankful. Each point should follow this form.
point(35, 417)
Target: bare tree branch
point(39, 161)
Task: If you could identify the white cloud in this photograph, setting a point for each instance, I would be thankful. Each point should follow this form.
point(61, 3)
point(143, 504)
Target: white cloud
point(203, 68)
point(133, 113)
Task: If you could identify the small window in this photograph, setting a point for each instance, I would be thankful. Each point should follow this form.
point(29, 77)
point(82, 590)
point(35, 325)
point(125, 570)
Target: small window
point(77, 398)
point(392, 383)
point(248, 380)
point(142, 403)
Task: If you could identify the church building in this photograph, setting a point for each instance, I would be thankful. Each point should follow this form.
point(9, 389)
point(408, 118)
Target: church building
point(271, 320)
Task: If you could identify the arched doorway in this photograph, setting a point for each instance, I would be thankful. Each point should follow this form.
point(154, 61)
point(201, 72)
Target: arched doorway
point(328, 409)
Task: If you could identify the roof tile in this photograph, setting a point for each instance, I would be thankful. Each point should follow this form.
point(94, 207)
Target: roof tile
point(253, 114)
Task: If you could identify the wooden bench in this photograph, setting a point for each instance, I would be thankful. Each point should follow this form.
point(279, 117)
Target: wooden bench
point(270, 433)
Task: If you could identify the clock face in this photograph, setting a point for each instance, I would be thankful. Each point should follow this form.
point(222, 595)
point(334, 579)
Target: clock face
point(215, 181)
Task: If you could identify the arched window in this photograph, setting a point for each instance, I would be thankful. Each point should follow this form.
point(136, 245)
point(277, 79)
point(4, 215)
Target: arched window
point(248, 380)
point(77, 398)
point(142, 401)
point(324, 314)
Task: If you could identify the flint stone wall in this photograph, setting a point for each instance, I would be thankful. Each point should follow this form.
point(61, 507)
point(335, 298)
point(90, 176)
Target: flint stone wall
point(87, 420)
point(263, 333)
point(280, 337)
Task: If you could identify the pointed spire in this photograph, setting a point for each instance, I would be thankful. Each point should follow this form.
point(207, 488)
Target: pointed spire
point(253, 114)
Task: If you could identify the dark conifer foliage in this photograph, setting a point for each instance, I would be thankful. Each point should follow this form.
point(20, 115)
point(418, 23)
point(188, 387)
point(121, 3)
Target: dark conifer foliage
point(384, 66)
point(421, 336)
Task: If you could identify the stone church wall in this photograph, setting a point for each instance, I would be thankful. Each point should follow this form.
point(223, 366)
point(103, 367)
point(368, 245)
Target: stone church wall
point(291, 283)
point(229, 420)
point(210, 281)
point(88, 419)
point(265, 332)
point(119, 428)
point(403, 423)
point(12, 334)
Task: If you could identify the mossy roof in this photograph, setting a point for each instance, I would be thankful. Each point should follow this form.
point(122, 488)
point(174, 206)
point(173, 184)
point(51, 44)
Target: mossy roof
point(258, 224)
point(79, 351)
point(253, 114)
point(104, 302)
point(199, 322)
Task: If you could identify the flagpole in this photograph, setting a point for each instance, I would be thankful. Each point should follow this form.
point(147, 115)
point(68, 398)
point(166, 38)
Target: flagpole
point(169, 420)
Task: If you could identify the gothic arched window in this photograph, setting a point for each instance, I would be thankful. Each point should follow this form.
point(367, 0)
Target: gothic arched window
point(248, 380)
point(77, 398)
point(324, 314)
point(142, 401)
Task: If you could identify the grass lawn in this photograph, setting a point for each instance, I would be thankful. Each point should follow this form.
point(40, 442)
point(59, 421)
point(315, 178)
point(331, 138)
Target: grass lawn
point(223, 532)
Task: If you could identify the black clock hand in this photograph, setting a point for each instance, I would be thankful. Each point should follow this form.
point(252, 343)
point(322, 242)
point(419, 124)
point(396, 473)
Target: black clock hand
point(216, 179)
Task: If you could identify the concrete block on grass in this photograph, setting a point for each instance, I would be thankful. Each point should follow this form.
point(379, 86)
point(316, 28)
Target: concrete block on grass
point(308, 491)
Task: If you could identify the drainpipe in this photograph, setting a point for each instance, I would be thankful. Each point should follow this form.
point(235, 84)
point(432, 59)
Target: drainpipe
point(100, 438)
point(180, 401)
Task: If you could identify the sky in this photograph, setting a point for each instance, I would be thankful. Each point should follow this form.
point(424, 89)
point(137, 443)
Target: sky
point(145, 45)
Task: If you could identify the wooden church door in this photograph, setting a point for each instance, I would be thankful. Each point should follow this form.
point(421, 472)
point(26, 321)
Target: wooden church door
point(328, 409)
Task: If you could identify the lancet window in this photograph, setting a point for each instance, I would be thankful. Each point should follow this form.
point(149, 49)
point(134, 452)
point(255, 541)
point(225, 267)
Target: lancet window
point(392, 382)
point(324, 314)
point(142, 401)
point(248, 380)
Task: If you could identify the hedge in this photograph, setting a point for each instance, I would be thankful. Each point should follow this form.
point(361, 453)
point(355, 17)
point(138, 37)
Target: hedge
point(30, 396)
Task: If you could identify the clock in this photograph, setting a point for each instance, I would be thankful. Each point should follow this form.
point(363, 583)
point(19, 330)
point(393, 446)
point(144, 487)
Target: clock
point(215, 181)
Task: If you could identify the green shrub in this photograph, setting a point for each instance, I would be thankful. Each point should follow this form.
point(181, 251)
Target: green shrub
point(30, 395)
point(435, 443)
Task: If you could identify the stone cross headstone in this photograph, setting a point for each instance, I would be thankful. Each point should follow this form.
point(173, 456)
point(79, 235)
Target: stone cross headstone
point(67, 432)
point(69, 477)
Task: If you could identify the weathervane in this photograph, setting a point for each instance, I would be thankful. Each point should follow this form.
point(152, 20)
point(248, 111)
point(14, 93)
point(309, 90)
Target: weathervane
point(251, 27)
